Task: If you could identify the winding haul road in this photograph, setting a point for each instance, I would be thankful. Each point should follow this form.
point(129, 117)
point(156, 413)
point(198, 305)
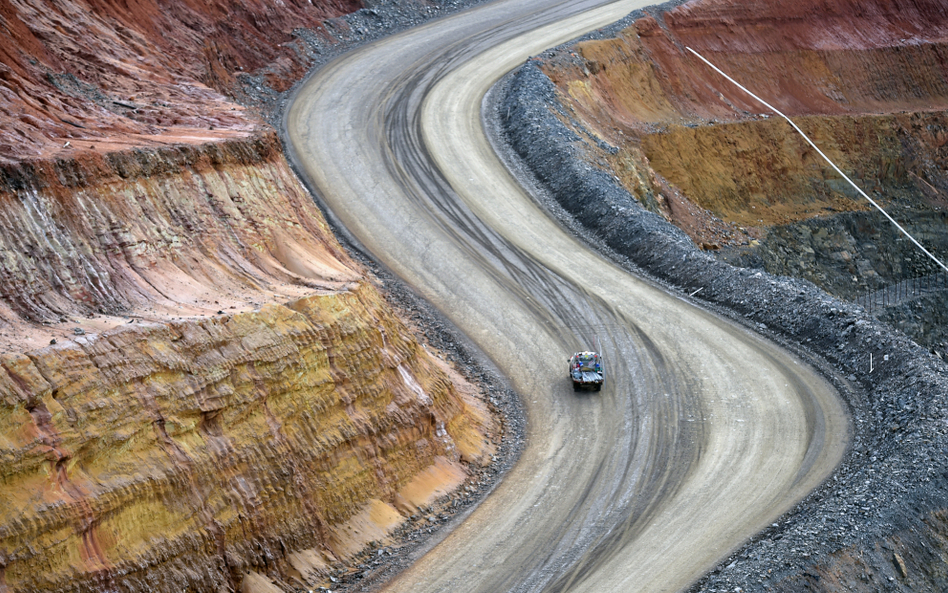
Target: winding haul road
point(704, 432)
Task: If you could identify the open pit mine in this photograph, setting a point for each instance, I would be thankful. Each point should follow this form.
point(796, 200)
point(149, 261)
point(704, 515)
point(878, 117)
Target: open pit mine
point(203, 390)
point(864, 80)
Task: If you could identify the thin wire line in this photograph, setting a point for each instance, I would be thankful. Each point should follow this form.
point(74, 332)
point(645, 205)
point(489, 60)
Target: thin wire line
point(826, 158)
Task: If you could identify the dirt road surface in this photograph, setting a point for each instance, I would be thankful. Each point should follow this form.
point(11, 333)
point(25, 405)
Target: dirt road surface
point(704, 432)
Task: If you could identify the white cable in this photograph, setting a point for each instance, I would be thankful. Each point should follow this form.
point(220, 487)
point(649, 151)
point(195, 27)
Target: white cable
point(826, 158)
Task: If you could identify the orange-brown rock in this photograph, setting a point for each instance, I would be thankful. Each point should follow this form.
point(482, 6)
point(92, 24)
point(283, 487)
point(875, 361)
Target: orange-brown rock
point(153, 234)
point(761, 174)
point(804, 57)
point(173, 457)
point(849, 70)
point(107, 76)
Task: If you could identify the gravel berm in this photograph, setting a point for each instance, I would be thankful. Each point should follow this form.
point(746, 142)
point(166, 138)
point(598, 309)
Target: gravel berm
point(875, 525)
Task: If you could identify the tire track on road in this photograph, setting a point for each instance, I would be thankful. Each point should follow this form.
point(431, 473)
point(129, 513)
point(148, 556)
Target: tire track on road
point(702, 432)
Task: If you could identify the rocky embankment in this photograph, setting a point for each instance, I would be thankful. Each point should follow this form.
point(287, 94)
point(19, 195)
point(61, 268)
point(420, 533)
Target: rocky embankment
point(864, 80)
point(200, 390)
point(585, 117)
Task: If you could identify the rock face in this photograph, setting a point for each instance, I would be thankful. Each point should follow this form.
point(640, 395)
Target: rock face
point(185, 428)
point(173, 457)
point(159, 233)
point(106, 75)
point(865, 81)
point(199, 389)
point(805, 58)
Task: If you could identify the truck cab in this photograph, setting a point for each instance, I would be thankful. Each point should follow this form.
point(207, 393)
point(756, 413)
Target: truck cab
point(586, 370)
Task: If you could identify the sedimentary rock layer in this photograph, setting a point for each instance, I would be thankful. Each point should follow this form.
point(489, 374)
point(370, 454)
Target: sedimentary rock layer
point(643, 92)
point(805, 57)
point(107, 75)
point(865, 80)
point(225, 391)
point(106, 239)
point(173, 457)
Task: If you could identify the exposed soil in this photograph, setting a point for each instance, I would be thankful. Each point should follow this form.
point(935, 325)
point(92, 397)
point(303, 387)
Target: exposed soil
point(865, 82)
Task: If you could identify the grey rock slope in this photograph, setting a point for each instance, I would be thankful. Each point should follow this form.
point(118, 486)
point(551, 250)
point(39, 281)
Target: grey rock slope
point(878, 523)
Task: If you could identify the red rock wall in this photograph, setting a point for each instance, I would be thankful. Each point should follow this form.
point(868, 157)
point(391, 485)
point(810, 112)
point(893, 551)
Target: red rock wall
point(804, 57)
point(108, 75)
point(848, 71)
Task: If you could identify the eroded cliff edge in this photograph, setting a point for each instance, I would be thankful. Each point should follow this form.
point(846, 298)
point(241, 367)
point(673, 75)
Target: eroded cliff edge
point(200, 389)
point(596, 121)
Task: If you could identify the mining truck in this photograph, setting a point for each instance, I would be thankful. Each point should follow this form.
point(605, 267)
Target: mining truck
point(586, 370)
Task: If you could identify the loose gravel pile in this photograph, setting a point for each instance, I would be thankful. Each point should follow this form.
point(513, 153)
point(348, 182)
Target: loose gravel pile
point(895, 476)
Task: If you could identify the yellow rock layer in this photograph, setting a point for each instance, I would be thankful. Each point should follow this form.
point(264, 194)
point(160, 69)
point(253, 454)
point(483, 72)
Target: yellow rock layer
point(180, 455)
point(195, 439)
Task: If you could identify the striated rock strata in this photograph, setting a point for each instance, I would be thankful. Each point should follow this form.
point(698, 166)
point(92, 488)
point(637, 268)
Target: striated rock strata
point(226, 402)
point(173, 457)
point(154, 234)
point(865, 80)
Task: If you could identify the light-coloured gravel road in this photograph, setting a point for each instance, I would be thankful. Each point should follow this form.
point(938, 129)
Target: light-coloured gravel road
point(704, 433)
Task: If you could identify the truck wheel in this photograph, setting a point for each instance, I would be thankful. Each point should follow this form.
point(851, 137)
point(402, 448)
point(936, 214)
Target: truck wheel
point(599, 387)
point(575, 386)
